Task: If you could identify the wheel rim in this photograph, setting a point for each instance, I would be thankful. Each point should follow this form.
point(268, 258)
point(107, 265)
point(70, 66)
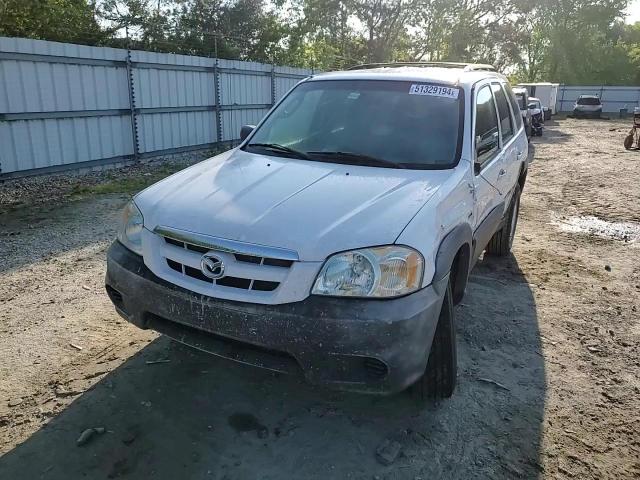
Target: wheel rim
point(514, 220)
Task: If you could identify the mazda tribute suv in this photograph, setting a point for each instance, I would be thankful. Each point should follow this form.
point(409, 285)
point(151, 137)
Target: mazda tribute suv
point(334, 242)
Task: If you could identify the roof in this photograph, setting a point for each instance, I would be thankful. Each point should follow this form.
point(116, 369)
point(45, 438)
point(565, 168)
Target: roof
point(444, 75)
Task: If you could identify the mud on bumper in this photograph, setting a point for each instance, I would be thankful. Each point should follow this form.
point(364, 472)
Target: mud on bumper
point(376, 346)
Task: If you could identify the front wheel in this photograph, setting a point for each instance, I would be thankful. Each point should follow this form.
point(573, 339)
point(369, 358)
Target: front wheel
point(439, 378)
point(502, 241)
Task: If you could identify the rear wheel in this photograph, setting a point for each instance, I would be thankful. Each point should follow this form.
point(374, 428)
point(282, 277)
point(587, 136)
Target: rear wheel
point(439, 378)
point(502, 241)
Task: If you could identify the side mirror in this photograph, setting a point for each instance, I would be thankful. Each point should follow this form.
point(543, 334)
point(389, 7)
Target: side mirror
point(245, 131)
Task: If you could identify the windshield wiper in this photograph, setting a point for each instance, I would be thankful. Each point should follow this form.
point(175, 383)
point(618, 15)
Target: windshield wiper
point(358, 159)
point(276, 147)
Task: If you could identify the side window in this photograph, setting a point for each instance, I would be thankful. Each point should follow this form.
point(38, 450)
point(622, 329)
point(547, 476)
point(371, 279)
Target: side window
point(486, 131)
point(506, 123)
point(515, 106)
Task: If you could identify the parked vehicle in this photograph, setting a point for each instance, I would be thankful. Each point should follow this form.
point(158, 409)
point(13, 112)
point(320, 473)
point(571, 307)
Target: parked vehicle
point(537, 116)
point(522, 97)
point(588, 106)
point(547, 93)
point(336, 239)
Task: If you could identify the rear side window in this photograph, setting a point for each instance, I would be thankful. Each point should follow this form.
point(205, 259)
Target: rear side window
point(506, 123)
point(514, 105)
point(486, 131)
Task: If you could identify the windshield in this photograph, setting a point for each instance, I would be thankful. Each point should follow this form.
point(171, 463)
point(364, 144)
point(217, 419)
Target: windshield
point(390, 123)
point(588, 101)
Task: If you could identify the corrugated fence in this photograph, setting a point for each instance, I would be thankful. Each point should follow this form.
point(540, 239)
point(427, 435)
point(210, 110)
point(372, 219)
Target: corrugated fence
point(71, 106)
point(613, 98)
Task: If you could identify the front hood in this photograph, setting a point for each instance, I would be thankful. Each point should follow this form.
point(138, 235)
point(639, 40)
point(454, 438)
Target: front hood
point(311, 207)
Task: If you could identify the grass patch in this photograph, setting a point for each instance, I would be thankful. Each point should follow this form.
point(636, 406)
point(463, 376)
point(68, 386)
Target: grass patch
point(128, 183)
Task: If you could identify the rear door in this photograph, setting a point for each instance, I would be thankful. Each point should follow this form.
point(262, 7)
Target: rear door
point(511, 148)
point(521, 142)
point(488, 166)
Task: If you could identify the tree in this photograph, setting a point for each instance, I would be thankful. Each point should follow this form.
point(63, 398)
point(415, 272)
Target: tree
point(568, 41)
point(241, 29)
point(58, 20)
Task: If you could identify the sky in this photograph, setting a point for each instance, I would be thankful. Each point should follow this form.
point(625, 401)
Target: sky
point(633, 11)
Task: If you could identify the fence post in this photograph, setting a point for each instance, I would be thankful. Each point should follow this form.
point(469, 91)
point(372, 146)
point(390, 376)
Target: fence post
point(216, 87)
point(132, 103)
point(273, 84)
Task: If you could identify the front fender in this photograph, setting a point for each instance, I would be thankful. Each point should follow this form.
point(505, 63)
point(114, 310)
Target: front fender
point(454, 256)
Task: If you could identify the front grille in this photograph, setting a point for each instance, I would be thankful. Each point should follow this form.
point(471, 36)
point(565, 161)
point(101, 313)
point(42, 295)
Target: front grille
point(227, 281)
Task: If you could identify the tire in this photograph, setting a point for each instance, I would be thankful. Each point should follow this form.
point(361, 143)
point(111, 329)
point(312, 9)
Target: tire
point(502, 241)
point(440, 376)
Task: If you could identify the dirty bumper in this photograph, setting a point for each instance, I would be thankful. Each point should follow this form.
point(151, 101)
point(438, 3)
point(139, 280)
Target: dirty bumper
point(377, 346)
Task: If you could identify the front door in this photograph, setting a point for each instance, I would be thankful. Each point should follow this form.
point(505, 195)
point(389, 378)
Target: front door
point(489, 167)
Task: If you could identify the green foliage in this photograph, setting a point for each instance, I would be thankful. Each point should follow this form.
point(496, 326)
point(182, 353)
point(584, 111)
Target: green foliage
point(59, 20)
point(566, 41)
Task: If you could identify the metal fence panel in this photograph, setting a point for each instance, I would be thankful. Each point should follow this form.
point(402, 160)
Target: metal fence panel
point(233, 120)
point(63, 105)
point(244, 83)
point(287, 78)
point(612, 98)
point(165, 131)
point(34, 144)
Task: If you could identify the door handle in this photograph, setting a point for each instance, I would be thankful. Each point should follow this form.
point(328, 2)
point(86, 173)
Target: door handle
point(502, 172)
point(519, 155)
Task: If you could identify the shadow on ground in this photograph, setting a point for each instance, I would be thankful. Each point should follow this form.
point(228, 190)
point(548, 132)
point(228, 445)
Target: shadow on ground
point(552, 133)
point(185, 419)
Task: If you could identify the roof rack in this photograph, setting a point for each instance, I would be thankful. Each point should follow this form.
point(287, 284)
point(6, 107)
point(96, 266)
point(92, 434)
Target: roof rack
point(467, 67)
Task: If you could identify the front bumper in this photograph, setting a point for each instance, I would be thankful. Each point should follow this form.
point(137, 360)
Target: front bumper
point(377, 346)
point(582, 112)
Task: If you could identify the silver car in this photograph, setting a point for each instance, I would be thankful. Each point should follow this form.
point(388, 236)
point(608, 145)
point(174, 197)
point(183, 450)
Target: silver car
point(588, 106)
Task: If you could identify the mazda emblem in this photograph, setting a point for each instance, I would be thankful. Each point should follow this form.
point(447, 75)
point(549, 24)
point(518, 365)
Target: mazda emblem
point(212, 266)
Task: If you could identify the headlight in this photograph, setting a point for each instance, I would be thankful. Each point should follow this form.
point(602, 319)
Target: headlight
point(130, 231)
point(371, 272)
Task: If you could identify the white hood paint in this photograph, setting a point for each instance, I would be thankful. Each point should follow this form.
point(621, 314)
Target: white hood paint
point(314, 208)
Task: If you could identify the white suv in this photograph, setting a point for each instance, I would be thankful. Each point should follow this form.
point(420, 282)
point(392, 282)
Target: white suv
point(335, 240)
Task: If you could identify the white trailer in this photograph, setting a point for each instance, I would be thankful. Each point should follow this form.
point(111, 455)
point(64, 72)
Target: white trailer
point(545, 91)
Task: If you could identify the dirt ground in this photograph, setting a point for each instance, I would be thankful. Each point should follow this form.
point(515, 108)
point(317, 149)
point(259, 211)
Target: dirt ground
point(549, 356)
